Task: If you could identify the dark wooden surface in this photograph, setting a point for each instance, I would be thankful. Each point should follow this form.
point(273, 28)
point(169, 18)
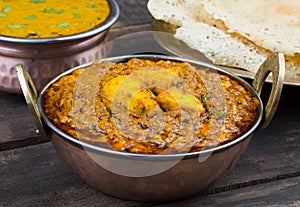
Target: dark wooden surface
point(32, 174)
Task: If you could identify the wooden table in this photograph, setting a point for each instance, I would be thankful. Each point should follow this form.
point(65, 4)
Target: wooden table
point(32, 174)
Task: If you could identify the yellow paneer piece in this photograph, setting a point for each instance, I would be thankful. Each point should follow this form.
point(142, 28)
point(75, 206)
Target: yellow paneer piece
point(142, 102)
point(110, 87)
point(176, 98)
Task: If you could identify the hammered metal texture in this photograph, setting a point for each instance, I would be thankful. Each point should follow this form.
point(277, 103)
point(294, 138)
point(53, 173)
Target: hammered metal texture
point(45, 62)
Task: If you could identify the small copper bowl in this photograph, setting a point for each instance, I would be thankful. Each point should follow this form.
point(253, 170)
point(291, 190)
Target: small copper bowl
point(45, 58)
point(191, 172)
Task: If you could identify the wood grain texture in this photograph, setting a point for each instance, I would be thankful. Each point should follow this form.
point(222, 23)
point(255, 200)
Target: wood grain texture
point(15, 119)
point(277, 193)
point(133, 12)
point(32, 174)
point(35, 176)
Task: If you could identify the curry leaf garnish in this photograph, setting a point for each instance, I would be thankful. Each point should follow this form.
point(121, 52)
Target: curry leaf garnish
point(52, 10)
point(3, 15)
point(37, 1)
point(16, 26)
point(65, 24)
point(6, 9)
point(76, 15)
point(203, 100)
point(31, 17)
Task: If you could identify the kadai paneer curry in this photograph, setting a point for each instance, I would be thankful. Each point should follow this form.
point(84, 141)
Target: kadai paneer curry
point(151, 106)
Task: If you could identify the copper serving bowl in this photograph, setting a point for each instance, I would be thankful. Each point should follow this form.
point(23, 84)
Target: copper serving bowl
point(45, 58)
point(158, 177)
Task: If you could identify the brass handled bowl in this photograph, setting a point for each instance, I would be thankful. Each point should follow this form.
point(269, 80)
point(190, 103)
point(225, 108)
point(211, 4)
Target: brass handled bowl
point(150, 179)
point(45, 58)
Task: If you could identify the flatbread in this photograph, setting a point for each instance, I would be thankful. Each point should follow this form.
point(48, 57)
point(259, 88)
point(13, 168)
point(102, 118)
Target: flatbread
point(241, 33)
point(174, 11)
point(271, 24)
point(219, 47)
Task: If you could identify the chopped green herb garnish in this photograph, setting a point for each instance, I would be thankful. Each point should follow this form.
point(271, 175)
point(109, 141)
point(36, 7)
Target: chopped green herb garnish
point(52, 10)
point(92, 6)
point(3, 15)
point(76, 15)
point(6, 9)
point(65, 24)
point(31, 17)
point(16, 26)
point(203, 100)
point(37, 1)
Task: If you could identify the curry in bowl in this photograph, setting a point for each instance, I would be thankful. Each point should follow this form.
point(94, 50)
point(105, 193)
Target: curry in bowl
point(151, 106)
point(50, 18)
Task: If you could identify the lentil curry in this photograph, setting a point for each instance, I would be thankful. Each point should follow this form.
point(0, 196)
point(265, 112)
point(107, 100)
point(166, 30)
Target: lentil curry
point(50, 18)
point(215, 107)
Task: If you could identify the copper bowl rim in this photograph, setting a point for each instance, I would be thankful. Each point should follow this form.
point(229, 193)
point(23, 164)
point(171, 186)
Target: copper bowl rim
point(111, 152)
point(112, 18)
